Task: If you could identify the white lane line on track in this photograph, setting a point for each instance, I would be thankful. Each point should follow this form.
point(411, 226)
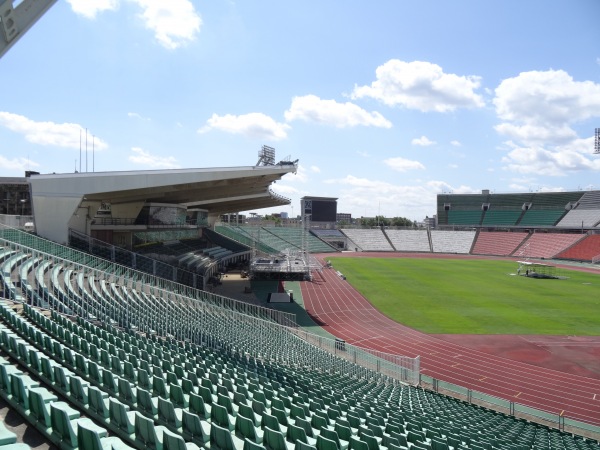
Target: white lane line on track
point(366, 339)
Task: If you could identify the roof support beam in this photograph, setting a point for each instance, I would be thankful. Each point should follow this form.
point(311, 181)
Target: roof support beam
point(14, 22)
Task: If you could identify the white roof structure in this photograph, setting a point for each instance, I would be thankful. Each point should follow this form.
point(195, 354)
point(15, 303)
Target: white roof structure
point(63, 201)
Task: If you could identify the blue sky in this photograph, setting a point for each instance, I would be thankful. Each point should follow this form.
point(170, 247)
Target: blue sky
point(386, 104)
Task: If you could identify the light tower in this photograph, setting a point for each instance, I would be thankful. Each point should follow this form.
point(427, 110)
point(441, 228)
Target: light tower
point(266, 156)
point(597, 141)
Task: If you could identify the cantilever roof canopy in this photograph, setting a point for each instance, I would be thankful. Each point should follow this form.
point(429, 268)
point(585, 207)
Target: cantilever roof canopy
point(57, 198)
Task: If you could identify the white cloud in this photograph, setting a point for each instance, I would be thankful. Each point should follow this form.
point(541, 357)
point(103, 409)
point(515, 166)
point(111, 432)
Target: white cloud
point(134, 115)
point(363, 154)
point(17, 164)
point(453, 166)
point(455, 143)
point(300, 176)
point(311, 108)
point(143, 158)
point(284, 189)
point(315, 169)
point(538, 110)
point(254, 125)
point(541, 161)
point(423, 86)
point(66, 135)
point(90, 8)
point(402, 165)
point(550, 98)
point(423, 141)
point(372, 197)
point(174, 23)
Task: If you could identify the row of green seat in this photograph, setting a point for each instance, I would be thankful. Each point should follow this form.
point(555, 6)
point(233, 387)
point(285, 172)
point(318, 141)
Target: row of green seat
point(60, 423)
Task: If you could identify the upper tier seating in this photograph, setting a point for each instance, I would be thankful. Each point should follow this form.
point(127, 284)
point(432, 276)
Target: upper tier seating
point(501, 216)
point(372, 240)
point(589, 200)
point(577, 218)
point(541, 217)
point(497, 243)
point(409, 240)
point(459, 217)
point(452, 241)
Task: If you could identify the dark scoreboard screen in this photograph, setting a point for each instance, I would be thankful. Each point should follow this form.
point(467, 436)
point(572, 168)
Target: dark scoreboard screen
point(323, 211)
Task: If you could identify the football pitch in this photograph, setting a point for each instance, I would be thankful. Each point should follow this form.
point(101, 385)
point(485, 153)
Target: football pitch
point(455, 296)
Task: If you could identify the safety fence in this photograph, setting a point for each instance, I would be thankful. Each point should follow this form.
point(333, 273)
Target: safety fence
point(558, 419)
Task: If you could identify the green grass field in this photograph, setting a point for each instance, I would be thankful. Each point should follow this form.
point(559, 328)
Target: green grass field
point(451, 296)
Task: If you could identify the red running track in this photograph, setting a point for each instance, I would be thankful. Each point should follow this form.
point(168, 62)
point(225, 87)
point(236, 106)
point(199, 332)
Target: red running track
point(346, 314)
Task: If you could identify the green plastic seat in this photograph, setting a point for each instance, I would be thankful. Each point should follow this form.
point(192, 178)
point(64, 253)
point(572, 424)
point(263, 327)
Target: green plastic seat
point(129, 371)
point(39, 409)
point(333, 435)
point(172, 441)
point(98, 402)
point(247, 412)
point(295, 433)
point(81, 364)
point(227, 403)
point(269, 421)
point(249, 445)
point(120, 417)
point(94, 372)
point(109, 382)
point(61, 379)
point(168, 414)
point(357, 444)
point(275, 440)
point(259, 407)
point(197, 406)
point(89, 438)
point(147, 434)
point(371, 442)
point(146, 403)
point(64, 428)
point(281, 416)
point(19, 387)
point(179, 398)
point(246, 429)
point(325, 444)
point(127, 393)
point(187, 385)
point(304, 446)
point(297, 411)
point(318, 422)
point(79, 389)
point(206, 394)
point(195, 430)
point(220, 416)
point(223, 439)
point(5, 371)
point(143, 379)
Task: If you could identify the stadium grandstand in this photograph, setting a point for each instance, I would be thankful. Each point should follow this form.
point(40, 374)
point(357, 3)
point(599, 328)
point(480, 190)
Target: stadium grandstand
point(110, 340)
point(146, 358)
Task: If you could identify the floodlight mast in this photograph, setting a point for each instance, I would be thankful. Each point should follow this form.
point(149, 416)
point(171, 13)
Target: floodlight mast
point(266, 156)
point(16, 21)
point(597, 142)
